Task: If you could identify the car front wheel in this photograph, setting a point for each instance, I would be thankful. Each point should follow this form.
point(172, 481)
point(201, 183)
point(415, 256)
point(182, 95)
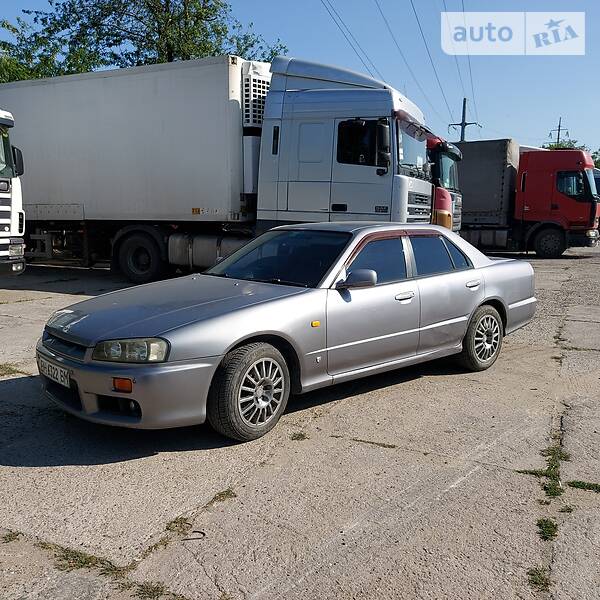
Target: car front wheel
point(483, 340)
point(249, 393)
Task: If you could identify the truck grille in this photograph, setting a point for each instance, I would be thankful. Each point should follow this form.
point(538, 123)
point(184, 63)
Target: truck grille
point(63, 347)
point(457, 214)
point(419, 208)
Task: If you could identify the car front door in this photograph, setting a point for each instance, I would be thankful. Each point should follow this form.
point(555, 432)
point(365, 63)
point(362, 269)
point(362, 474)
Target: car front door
point(450, 290)
point(371, 326)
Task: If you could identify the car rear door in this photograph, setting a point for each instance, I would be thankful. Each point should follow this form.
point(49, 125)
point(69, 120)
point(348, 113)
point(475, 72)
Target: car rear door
point(371, 326)
point(449, 288)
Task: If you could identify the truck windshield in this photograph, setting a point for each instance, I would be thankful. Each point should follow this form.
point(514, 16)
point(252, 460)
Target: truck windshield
point(285, 257)
point(412, 151)
point(6, 163)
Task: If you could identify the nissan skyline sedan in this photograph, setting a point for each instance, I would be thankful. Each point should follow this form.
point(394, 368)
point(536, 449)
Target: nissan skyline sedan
point(298, 308)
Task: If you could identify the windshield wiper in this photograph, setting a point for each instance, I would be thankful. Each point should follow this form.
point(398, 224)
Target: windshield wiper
point(279, 281)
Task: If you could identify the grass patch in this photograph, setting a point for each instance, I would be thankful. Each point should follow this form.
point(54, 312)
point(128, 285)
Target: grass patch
point(298, 436)
point(67, 559)
point(180, 526)
point(227, 494)
point(149, 590)
point(8, 370)
point(567, 508)
point(162, 543)
point(547, 529)
point(554, 456)
point(538, 578)
point(11, 536)
point(585, 485)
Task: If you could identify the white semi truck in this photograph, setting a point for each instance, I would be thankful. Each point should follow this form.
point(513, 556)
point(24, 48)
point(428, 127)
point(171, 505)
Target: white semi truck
point(181, 163)
point(12, 217)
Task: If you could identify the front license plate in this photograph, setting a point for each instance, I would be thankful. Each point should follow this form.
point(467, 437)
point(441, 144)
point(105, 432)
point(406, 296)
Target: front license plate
point(52, 371)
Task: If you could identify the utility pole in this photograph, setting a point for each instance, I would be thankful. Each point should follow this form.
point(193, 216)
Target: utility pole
point(558, 131)
point(464, 123)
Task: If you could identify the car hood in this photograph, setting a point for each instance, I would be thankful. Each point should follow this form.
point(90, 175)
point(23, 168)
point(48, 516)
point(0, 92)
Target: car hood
point(154, 309)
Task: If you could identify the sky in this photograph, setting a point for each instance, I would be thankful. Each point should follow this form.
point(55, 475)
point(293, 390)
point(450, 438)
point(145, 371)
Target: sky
point(514, 96)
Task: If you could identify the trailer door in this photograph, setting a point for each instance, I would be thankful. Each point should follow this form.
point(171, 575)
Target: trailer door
point(359, 188)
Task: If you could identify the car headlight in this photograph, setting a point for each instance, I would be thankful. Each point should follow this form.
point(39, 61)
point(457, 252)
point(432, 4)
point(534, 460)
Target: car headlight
point(146, 350)
point(16, 250)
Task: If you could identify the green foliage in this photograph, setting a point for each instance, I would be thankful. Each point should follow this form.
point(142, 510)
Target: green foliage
point(76, 36)
point(566, 144)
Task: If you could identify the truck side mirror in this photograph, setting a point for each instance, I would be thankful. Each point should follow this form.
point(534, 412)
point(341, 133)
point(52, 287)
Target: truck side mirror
point(384, 153)
point(18, 160)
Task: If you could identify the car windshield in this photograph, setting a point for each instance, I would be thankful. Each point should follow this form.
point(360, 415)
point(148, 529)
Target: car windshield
point(286, 257)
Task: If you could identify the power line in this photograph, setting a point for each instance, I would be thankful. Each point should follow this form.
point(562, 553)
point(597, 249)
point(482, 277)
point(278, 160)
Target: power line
point(470, 69)
point(460, 77)
point(406, 63)
point(437, 77)
point(337, 14)
point(347, 38)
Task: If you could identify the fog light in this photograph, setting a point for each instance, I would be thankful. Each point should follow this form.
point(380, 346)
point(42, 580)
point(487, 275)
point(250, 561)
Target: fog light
point(125, 386)
point(17, 267)
point(592, 233)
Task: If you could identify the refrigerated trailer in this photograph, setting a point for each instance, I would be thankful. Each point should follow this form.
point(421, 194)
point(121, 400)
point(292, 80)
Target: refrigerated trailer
point(179, 164)
point(520, 198)
point(12, 217)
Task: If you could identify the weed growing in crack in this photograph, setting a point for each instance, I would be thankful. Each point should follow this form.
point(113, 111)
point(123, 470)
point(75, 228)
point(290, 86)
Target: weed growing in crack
point(11, 536)
point(554, 456)
point(227, 494)
point(180, 526)
point(585, 485)
point(298, 436)
point(567, 508)
point(538, 578)
point(149, 590)
point(547, 529)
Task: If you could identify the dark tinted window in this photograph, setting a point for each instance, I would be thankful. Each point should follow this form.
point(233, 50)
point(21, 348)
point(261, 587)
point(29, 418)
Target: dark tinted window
point(357, 142)
point(385, 257)
point(431, 255)
point(571, 183)
point(459, 259)
point(287, 257)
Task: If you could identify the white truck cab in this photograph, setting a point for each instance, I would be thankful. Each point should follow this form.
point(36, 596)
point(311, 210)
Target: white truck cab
point(12, 217)
point(338, 145)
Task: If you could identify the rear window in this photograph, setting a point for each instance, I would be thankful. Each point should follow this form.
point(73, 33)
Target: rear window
point(431, 255)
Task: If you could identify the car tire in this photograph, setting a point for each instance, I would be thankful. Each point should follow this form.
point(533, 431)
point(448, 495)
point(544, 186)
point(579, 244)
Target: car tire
point(483, 340)
point(549, 243)
point(249, 392)
point(139, 259)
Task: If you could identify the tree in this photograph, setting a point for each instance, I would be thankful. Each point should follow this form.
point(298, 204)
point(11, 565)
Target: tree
point(566, 144)
point(76, 36)
point(596, 158)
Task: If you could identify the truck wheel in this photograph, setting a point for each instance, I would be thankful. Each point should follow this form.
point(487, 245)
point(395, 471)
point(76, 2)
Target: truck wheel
point(549, 243)
point(249, 393)
point(139, 258)
point(483, 340)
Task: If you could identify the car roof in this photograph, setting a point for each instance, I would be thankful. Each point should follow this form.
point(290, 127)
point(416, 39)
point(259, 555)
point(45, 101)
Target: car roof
point(363, 226)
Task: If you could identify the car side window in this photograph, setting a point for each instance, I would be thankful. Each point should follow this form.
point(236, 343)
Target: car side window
point(431, 255)
point(458, 258)
point(385, 257)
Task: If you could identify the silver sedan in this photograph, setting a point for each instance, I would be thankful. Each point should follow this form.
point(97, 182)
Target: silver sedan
point(298, 308)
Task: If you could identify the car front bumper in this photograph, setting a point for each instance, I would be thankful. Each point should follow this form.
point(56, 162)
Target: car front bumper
point(167, 394)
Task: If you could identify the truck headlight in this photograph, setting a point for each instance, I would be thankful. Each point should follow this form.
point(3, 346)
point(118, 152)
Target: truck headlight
point(16, 251)
point(143, 350)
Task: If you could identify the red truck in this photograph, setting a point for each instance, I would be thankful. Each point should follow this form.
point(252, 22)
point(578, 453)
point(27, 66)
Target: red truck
point(519, 199)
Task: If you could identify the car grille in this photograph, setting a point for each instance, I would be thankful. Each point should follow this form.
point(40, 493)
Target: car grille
point(63, 347)
point(419, 208)
point(67, 396)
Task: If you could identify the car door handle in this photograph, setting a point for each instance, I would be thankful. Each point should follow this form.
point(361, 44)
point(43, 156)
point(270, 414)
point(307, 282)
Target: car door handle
point(405, 296)
point(473, 284)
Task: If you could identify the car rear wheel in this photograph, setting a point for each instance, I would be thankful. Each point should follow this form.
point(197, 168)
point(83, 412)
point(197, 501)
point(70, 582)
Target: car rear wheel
point(483, 340)
point(550, 243)
point(249, 393)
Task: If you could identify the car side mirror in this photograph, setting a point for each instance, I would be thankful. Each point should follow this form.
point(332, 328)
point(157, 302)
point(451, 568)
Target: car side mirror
point(360, 278)
point(18, 160)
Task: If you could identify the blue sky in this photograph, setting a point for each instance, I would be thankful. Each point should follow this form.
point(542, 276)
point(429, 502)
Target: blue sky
point(516, 96)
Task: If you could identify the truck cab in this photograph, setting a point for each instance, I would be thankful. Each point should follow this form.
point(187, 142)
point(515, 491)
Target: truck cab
point(338, 145)
point(12, 217)
point(447, 206)
point(556, 189)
